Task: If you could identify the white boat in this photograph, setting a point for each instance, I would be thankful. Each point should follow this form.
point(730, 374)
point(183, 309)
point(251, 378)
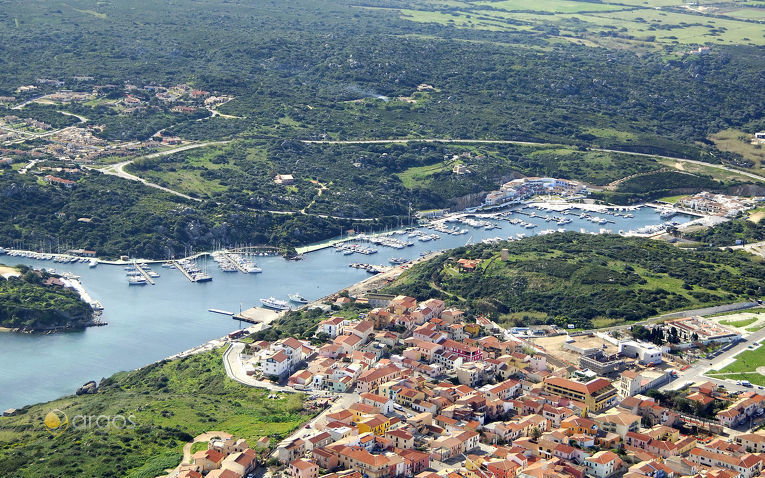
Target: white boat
point(253, 269)
point(136, 280)
point(666, 213)
point(298, 298)
point(274, 303)
point(93, 263)
point(153, 274)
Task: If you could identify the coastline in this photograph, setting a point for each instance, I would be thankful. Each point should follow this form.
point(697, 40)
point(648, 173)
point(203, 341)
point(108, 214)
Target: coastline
point(540, 201)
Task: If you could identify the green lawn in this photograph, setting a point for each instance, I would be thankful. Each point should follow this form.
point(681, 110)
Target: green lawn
point(645, 24)
point(421, 175)
point(739, 323)
point(672, 199)
point(747, 362)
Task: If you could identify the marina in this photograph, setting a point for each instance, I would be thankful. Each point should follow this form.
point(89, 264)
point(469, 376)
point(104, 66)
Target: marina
point(147, 324)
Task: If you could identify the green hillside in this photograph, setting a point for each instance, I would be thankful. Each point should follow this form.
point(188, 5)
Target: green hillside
point(586, 280)
point(26, 302)
point(169, 403)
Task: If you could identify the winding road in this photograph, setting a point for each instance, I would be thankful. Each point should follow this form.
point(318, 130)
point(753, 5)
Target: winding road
point(118, 169)
point(533, 143)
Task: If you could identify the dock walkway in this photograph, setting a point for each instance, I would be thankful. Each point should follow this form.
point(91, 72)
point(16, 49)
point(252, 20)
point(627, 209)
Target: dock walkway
point(184, 271)
point(139, 267)
point(234, 262)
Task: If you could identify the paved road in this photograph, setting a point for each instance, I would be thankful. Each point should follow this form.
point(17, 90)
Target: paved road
point(235, 371)
point(696, 372)
point(688, 161)
point(118, 169)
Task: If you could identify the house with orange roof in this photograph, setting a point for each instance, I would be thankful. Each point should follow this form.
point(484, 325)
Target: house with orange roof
point(747, 465)
point(207, 460)
point(596, 394)
point(241, 463)
point(348, 342)
point(377, 424)
point(603, 464)
point(324, 458)
point(452, 315)
point(291, 450)
point(221, 473)
point(301, 380)
point(383, 404)
point(370, 380)
point(416, 461)
point(303, 469)
point(333, 326)
point(402, 304)
point(752, 442)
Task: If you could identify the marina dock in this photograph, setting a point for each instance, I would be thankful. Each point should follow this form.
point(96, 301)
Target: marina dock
point(256, 315)
point(191, 277)
point(143, 273)
point(233, 261)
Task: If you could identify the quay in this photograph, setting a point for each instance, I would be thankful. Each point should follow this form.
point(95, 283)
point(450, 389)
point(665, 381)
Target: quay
point(219, 311)
point(257, 315)
point(143, 272)
point(189, 276)
point(233, 261)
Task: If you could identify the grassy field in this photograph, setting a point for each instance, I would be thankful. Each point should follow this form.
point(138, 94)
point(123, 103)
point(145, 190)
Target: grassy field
point(739, 323)
point(756, 215)
point(639, 23)
point(745, 367)
point(672, 199)
point(169, 403)
point(716, 173)
point(421, 175)
point(738, 142)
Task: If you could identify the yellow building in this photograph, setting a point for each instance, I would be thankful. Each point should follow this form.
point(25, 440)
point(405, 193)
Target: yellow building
point(378, 425)
point(596, 394)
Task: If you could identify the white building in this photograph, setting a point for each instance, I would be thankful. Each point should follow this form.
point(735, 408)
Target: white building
point(645, 352)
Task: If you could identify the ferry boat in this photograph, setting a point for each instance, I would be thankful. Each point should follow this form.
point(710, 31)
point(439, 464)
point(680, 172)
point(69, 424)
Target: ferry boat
point(298, 298)
point(273, 303)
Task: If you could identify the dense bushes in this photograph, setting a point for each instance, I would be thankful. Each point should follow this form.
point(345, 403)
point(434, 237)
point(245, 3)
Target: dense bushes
point(575, 278)
point(27, 303)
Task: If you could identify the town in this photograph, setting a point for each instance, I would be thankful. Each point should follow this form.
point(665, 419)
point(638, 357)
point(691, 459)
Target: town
point(85, 141)
point(410, 388)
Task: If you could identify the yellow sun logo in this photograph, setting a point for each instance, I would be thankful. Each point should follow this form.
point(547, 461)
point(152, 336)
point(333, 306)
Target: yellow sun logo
point(56, 422)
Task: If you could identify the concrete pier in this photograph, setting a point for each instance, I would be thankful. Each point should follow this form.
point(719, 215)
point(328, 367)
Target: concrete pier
point(143, 272)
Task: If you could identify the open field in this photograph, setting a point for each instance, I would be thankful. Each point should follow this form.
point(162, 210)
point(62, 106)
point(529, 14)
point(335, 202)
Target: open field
point(640, 23)
point(739, 142)
point(745, 367)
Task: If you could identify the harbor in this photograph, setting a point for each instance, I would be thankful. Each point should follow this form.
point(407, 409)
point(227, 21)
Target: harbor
point(147, 324)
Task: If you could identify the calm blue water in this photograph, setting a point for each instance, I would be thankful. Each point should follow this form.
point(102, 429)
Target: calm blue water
point(153, 322)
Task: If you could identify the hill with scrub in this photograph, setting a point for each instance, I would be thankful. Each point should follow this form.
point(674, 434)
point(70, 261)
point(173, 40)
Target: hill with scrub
point(33, 301)
point(164, 405)
point(583, 279)
point(588, 83)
